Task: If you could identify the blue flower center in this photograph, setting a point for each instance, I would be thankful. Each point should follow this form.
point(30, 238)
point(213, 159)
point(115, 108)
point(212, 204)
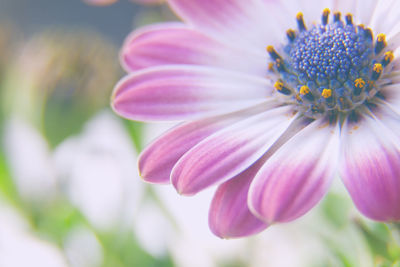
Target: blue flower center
point(332, 69)
point(327, 52)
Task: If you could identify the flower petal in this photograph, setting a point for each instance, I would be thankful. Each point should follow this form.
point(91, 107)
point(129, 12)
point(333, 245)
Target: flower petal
point(345, 6)
point(186, 92)
point(175, 43)
point(244, 22)
point(370, 166)
point(229, 215)
point(296, 176)
point(392, 96)
point(157, 160)
point(229, 151)
point(385, 16)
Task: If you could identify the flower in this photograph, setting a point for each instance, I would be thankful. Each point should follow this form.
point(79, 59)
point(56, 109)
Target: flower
point(270, 128)
point(96, 175)
point(17, 239)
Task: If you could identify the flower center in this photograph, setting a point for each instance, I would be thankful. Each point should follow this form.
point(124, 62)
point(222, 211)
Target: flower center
point(332, 69)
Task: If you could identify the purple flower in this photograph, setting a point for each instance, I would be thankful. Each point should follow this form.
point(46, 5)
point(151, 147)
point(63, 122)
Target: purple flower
point(270, 128)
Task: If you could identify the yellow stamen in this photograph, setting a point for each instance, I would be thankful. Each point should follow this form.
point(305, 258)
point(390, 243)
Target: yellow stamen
point(389, 56)
point(304, 90)
point(272, 52)
point(278, 85)
point(380, 43)
point(359, 83)
point(349, 19)
point(336, 16)
point(325, 15)
point(376, 71)
point(326, 12)
point(300, 21)
point(291, 34)
point(299, 16)
point(281, 88)
point(326, 93)
point(381, 37)
point(378, 68)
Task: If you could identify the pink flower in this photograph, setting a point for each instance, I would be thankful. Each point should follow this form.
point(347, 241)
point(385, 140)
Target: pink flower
point(270, 128)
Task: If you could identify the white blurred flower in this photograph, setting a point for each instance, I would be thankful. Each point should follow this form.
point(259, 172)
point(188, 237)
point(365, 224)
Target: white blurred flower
point(29, 159)
point(18, 248)
point(98, 170)
point(152, 229)
point(82, 248)
point(193, 244)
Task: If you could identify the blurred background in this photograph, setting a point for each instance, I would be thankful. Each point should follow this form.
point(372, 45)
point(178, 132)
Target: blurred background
point(70, 193)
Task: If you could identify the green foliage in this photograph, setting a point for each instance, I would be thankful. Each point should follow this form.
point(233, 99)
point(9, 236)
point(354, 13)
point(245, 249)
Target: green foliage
point(135, 130)
point(122, 250)
point(382, 242)
point(7, 187)
point(63, 119)
point(335, 209)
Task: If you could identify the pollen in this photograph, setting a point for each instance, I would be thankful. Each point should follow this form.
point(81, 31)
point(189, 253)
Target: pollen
point(376, 71)
point(272, 52)
point(326, 93)
point(278, 85)
point(387, 58)
point(304, 90)
point(359, 83)
point(378, 67)
point(381, 37)
point(380, 43)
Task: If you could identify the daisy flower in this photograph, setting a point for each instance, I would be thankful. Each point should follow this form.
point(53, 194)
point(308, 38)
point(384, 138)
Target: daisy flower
point(276, 99)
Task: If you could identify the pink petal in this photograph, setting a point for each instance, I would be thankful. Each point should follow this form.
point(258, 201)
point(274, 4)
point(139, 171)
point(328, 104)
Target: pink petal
point(175, 43)
point(157, 160)
point(247, 23)
point(229, 215)
point(229, 152)
point(296, 176)
point(186, 92)
point(370, 166)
